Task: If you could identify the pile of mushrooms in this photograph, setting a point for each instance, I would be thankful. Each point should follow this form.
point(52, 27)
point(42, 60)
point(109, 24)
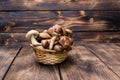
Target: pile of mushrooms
point(56, 38)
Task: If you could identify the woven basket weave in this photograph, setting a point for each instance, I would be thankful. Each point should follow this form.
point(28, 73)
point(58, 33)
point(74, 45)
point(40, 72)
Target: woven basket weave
point(49, 57)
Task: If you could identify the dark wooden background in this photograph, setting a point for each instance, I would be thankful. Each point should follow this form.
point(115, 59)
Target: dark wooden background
point(101, 23)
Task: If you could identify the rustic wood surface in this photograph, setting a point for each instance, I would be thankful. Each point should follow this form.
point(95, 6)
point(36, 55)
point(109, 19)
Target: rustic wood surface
point(13, 39)
point(87, 61)
point(7, 56)
point(96, 26)
point(84, 65)
point(111, 58)
point(26, 68)
point(101, 18)
point(59, 5)
point(24, 21)
point(91, 61)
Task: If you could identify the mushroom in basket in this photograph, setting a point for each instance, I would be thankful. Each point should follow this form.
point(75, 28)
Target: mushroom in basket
point(51, 46)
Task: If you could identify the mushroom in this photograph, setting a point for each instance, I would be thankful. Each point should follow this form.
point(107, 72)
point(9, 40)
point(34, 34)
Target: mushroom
point(45, 43)
point(32, 35)
point(55, 39)
point(64, 41)
point(58, 48)
point(45, 31)
point(52, 41)
point(51, 30)
point(71, 41)
point(64, 31)
point(44, 35)
point(55, 34)
point(58, 29)
point(68, 31)
point(38, 39)
point(43, 49)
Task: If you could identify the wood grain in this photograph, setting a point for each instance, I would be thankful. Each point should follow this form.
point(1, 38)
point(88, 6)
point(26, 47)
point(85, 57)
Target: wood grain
point(108, 56)
point(114, 46)
point(113, 50)
point(17, 39)
point(81, 64)
point(106, 37)
point(22, 21)
point(7, 55)
point(59, 5)
point(26, 68)
point(118, 44)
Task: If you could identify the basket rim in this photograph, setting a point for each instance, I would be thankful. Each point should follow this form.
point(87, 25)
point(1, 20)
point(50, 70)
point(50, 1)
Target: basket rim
point(39, 47)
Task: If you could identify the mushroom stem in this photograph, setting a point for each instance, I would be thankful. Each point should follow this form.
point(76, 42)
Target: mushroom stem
point(33, 40)
point(52, 42)
point(32, 34)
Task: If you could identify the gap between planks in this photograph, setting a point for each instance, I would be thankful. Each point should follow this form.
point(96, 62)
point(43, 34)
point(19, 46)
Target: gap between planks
point(11, 63)
point(26, 68)
point(7, 54)
point(93, 52)
point(83, 65)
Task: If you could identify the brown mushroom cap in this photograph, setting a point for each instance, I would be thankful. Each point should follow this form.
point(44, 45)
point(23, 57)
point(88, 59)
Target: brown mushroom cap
point(58, 29)
point(44, 35)
point(71, 41)
point(51, 30)
point(58, 48)
point(45, 44)
point(68, 31)
point(64, 41)
point(45, 31)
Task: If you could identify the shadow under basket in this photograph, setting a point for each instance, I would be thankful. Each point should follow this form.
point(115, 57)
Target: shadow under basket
point(49, 57)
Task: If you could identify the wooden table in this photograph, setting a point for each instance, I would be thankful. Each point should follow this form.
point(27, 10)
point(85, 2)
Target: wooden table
point(88, 61)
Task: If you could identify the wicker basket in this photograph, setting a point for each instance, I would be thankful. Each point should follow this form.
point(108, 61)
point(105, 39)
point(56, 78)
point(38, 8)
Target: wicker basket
point(49, 57)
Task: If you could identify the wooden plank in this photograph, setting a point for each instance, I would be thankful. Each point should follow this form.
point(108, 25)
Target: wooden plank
point(23, 21)
point(112, 50)
point(118, 44)
point(110, 58)
point(81, 64)
point(59, 5)
point(114, 46)
point(17, 39)
point(107, 37)
point(26, 68)
point(7, 55)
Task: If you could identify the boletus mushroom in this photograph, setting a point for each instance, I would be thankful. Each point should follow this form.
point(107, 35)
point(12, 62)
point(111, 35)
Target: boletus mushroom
point(55, 39)
point(32, 35)
point(64, 41)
